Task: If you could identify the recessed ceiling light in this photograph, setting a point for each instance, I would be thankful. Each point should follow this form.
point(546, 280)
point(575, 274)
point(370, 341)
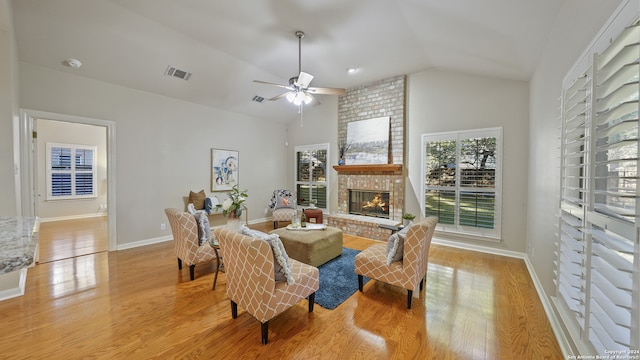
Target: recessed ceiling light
point(352, 70)
point(73, 63)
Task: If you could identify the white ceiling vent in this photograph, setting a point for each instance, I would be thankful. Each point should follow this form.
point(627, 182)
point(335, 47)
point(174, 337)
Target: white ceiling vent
point(175, 72)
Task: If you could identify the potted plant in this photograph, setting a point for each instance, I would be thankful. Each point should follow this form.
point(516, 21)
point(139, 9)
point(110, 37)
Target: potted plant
point(234, 204)
point(343, 147)
point(407, 218)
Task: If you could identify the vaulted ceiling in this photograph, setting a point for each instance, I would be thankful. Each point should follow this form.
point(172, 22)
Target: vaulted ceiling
point(227, 44)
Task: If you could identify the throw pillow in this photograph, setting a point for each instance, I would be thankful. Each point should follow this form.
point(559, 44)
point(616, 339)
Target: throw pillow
point(191, 209)
point(282, 269)
point(210, 204)
point(197, 199)
point(285, 202)
point(204, 228)
point(395, 245)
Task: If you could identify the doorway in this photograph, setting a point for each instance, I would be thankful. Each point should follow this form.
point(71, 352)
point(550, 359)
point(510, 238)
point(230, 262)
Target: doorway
point(33, 173)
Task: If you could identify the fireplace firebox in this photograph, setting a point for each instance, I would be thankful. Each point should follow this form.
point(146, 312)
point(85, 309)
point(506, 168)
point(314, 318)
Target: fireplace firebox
point(369, 203)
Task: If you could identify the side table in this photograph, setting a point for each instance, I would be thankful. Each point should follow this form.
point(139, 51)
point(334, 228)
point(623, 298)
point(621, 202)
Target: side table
point(214, 244)
point(393, 228)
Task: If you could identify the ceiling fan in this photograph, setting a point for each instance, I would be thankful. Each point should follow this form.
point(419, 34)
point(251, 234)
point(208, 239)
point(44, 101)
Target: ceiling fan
point(299, 90)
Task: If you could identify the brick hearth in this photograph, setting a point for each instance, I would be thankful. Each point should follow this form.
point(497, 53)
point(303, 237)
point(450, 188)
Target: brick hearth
point(367, 226)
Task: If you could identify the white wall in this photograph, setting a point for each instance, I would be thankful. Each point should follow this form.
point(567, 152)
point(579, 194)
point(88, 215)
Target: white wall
point(70, 133)
point(319, 126)
point(8, 112)
point(440, 101)
point(577, 24)
point(163, 146)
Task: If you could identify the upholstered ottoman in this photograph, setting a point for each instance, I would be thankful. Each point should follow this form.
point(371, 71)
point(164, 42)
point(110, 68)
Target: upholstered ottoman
point(313, 247)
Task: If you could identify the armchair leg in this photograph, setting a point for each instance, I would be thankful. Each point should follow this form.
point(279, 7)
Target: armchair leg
point(360, 282)
point(179, 264)
point(421, 284)
point(234, 310)
point(409, 297)
point(312, 299)
point(215, 279)
point(192, 272)
point(265, 332)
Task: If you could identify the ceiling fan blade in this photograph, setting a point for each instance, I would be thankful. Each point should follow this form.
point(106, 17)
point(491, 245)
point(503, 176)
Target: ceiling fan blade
point(278, 97)
point(313, 101)
point(273, 84)
point(304, 80)
point(326, 91)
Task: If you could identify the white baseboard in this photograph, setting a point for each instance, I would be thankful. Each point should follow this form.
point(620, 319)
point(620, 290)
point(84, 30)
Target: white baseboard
point(161, 239)
point(73, 217)
point(259, 221)
point(145, 242)
point(563, 342)
point(13, 284)
point(546, 303)
point(479, 248)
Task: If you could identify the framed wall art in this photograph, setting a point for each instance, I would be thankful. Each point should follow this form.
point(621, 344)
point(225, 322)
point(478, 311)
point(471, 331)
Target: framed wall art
point(369, 141)
point(225, 169)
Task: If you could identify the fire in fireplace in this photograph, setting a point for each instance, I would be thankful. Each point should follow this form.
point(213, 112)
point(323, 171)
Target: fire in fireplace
point(369, 203)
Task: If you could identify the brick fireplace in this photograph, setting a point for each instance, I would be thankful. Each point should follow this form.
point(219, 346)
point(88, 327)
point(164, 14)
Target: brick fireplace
point(375, 178)
point(382, 98)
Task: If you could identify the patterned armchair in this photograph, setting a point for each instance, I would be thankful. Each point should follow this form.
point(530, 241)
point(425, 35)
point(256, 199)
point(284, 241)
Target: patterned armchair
point(408, 272)
point(283, 206)
point(185, 237)
point(249, 268)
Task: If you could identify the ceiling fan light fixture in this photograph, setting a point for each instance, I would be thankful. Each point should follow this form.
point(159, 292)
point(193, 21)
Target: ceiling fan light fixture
point(290, 96)
point(299, 98)
point(307, 99)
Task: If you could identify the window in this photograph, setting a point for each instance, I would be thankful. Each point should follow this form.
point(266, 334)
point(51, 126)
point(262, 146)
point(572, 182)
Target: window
point(597, 283)
point(462, 180)
point(71, 171)
point(311, 175)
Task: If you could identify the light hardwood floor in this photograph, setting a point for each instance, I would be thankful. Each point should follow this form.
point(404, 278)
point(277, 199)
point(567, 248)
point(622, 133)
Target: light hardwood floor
point(135, 304)
point(71, 238)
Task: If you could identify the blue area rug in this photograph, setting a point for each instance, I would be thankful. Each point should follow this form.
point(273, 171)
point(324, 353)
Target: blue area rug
point(338, 281)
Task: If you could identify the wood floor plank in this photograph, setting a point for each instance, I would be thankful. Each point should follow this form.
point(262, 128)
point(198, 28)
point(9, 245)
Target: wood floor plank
point(65, 239)
point(136, 304)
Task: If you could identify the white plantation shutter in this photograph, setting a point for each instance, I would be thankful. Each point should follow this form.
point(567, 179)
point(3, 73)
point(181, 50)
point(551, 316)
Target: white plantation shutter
point(462, 180)
point(576, 106)
point(71, 171)
point(598, 273)
point(612, 221)
point(311, 175)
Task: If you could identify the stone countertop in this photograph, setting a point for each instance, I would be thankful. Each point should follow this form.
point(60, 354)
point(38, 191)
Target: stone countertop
point(18, 242)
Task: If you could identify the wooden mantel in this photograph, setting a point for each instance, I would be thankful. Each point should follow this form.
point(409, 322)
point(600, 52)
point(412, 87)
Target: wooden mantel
point(370, 168)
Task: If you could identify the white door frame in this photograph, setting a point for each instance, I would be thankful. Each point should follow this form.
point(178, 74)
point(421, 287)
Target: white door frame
point(28, 162)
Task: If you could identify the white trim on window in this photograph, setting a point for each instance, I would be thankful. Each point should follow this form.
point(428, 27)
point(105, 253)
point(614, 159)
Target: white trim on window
point(317, 188)
point(479, 181)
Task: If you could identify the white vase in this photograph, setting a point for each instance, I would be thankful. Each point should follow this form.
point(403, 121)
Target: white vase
point(233, 221)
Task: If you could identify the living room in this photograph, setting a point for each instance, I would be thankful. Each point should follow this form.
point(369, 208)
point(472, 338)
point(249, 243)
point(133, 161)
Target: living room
point(162, 145)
